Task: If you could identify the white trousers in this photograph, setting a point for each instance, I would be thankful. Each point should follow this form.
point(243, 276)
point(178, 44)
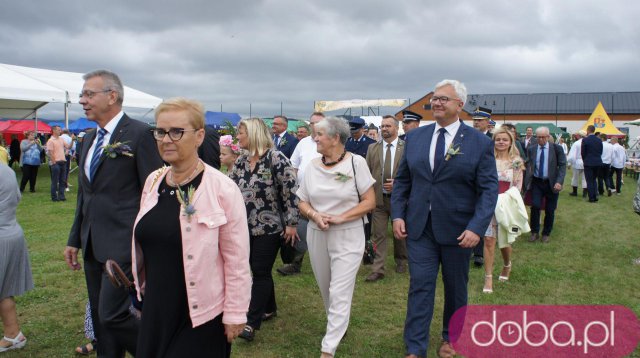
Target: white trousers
point(577, 175)
point(335, 258)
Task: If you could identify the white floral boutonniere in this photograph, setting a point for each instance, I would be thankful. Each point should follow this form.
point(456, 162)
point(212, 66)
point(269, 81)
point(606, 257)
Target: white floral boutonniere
point(283, 142)
point(342, 177)
point(116, 149)
point(452, 151)
point(186, 201)
point(517, 164)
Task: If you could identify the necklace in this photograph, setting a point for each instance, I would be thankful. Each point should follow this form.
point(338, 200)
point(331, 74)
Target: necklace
point(171, 182)
point(330, 164)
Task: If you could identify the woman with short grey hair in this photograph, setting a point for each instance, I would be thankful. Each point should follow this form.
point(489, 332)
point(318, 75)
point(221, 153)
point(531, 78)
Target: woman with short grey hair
point(335, 195)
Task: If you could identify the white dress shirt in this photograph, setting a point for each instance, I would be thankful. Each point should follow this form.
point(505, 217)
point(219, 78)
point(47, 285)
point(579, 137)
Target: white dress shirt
point(452, 129)
point(619, 156)
point(305, 152)
point(607, 152)
point(110, 127)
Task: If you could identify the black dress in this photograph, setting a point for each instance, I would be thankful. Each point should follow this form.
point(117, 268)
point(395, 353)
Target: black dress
point(166, 329)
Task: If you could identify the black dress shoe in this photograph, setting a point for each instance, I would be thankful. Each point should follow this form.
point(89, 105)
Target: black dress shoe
point(533, 238)
point(270, 315)
point(478, 261)
point(373, 277)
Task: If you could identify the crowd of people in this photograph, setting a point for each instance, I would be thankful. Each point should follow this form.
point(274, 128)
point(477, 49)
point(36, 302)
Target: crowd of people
point(177, 209)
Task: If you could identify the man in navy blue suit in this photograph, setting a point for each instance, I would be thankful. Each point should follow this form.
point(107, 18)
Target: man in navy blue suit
point(283, 141)
point(443, 198)
point(591, 151)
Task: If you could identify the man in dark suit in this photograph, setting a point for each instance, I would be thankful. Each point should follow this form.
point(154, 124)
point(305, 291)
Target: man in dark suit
point(209, 151)
point(481, 120)
point(383, 158)
point(110, 185)
point(358, 143)
point(591, 151)
point(546, 168)
point(443, 199)
point(410, 121)
point(528, 138)
point(284, 142)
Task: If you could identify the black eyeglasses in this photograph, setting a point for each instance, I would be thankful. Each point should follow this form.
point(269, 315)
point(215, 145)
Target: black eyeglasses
point(443, 99)
point(175, 134)
point(89, 94)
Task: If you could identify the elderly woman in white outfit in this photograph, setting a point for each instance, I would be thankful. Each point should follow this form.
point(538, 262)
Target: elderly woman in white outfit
point(335, 195)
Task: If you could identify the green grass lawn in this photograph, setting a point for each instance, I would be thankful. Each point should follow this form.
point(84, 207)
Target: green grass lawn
point(588, 261)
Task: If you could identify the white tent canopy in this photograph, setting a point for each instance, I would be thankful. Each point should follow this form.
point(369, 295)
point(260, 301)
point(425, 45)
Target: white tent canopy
point(24, 89)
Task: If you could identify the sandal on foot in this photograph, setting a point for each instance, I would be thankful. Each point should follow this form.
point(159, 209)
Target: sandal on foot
point(247, 333)
point(485, 289)
point(505, 278)
point(16, 343)
point(87, 349)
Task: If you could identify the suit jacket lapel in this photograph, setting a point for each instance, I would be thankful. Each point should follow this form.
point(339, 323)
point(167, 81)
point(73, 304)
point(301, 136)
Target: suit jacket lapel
point(427, 140)
point(396, 158)
point(456, 143)
point(115, 137)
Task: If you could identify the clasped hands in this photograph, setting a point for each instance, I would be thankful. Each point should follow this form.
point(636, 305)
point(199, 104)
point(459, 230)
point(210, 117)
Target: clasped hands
point(324, 220)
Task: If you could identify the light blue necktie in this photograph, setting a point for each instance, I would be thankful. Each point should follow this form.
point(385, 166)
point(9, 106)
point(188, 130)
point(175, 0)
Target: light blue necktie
point(97, 151)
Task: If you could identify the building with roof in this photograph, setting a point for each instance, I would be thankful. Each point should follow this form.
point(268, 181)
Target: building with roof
point(566, 110)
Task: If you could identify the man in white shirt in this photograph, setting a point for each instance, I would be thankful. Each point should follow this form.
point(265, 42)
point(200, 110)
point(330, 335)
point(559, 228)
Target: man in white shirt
point(68, 144)
point(383, 158)
point(603, 174)
point(303, 154)
point(618, 158)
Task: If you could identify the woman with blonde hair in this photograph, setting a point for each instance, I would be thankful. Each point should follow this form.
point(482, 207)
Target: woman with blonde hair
point(190, 250)
point(510, 168)
point(268, 184)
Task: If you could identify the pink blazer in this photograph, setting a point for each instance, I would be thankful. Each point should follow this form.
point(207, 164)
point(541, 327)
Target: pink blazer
point(215, 248)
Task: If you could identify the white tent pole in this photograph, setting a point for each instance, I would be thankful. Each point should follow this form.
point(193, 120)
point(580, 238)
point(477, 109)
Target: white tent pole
point(36, 125)
point(66, 110)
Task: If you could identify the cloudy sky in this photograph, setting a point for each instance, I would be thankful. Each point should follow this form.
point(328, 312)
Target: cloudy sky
point(233, 53)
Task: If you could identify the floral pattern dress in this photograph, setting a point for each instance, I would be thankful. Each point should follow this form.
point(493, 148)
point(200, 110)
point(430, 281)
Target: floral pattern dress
point(510, 174)
point(269, 201)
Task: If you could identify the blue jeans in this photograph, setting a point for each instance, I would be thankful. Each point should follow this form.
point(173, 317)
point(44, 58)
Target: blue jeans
point(57, 180)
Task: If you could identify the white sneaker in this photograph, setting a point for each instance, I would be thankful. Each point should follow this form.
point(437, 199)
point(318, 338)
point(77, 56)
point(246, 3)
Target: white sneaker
point(67, 189)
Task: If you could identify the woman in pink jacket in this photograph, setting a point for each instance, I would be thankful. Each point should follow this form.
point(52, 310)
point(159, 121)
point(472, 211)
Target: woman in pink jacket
point(190, 246)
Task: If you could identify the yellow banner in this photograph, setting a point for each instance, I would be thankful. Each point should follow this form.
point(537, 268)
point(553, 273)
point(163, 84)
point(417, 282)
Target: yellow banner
point(325, 106)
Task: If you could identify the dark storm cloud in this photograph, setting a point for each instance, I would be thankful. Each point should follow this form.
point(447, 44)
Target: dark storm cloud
point(266, 52)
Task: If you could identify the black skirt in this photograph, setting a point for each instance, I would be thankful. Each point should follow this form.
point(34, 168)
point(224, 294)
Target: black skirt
point(166, 329)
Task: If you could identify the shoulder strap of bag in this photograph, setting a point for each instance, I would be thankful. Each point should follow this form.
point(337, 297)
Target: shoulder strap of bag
point(356, 183)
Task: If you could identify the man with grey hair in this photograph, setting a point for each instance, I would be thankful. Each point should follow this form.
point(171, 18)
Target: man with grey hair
point(116, 160)
point(305, 152)
point(444, 195)
point(546, 168)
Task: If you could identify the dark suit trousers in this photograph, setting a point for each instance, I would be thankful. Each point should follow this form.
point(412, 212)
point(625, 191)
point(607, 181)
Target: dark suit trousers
point(604, 179)
point(541, 188)
point(115, 327)
point(590, 174)
point(425, 257)
point(618, 172)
